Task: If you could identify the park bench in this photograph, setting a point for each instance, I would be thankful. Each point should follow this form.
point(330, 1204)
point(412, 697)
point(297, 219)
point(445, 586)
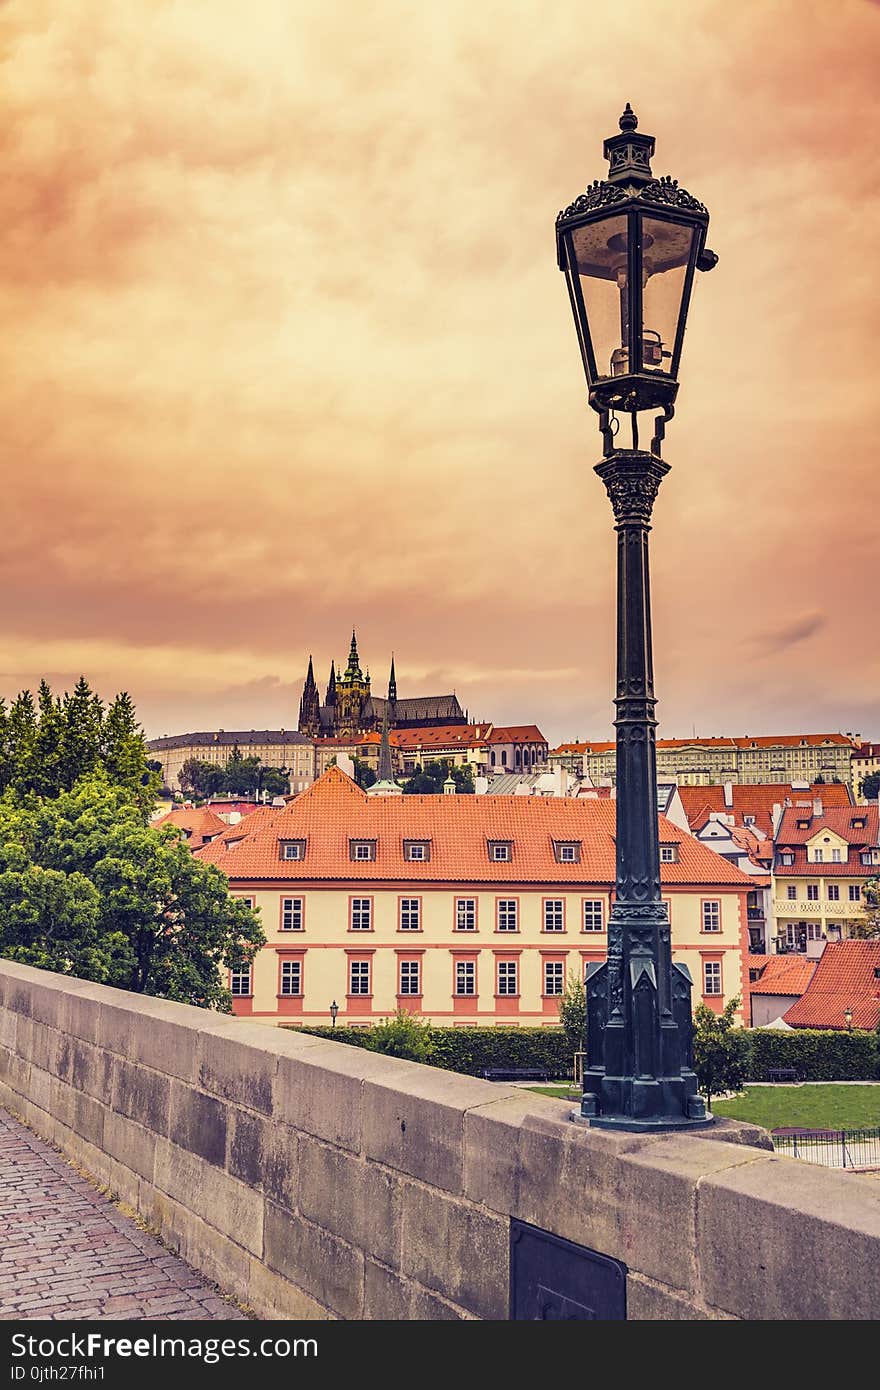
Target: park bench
point(782, 1074)
point(520, 1074)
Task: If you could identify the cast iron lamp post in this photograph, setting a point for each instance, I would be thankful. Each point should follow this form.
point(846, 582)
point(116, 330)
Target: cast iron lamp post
point(334, 1010)
point(629, 247)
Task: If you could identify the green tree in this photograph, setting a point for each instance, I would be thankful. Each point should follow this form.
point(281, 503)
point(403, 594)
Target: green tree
point(47, 769)
point(364, 774)
point(87, 888)
point(403, 1036)
point(201, 779)
point(124, 753)
point(871, 786)
point(573, 1012)
point(720, 1050)
point(273, 781)
point(21, 738)
point(82, 717)
point(867, 925)
point(428, 781)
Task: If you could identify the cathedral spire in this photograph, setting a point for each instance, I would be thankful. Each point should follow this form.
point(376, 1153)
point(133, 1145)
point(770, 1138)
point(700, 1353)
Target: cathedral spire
point(392, 684)
point(385, 771)
point(310, 704)
point(354, 664)
point(331, 685)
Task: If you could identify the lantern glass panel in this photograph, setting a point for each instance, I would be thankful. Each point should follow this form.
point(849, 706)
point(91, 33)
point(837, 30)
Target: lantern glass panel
point(666, 252)
point(600, 255)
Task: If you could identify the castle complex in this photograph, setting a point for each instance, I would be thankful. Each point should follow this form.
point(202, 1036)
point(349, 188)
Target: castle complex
point(350, 707)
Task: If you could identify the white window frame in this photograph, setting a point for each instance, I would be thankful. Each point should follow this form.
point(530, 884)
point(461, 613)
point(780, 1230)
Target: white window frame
point(417, 852)
point(410, 973)
point(507, 974)
point(235, 981)
point(292, 908)
point(358, 975)
point(554, 975)
point(593, 903)
point(507, 912)
point(291, 971)
point(711, 921)
point(554, 914)
point(791, 892)
point(362, 851)
point(711, 978)
point(361, 908)
point(812, 892)
point(470, 911)
point(500, 853)
point(833, 892)
point(465, 979)
point(855, 893)
point(410, 914)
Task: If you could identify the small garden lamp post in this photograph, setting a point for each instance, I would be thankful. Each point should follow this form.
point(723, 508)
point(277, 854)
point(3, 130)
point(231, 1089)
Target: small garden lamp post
point(334, 1010)
point(848, 1017)
point(629, 248)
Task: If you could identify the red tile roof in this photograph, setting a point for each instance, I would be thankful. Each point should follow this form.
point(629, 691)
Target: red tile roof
point(762, 741)
point(516, 733)
point(789, 974)
point(839, 819)
point(334, 811)
point(197, 825)
point(845, 978)
point(756, 800)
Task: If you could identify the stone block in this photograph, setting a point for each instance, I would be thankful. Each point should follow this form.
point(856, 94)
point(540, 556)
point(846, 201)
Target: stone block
point(414, 1121)
point(353, 1198)
point(152, 1033)
point(428, 1307)
point(387, 1297)
point(141, 1094)
point(781, 1239)
point(248, 1140)
point(281, 1172)
point(231, 1207)
point(272, 1296)
point(90, 1068)
point(457, 1250)
point(319, 1088)
point(78, 1112)
point(40, 1088)
point(85, 1155)
point(8, 1023)
point(130, 1144)
point(198, 1123)
point(647, 1301)
point(15, 1071)
point(313, 1259)
point(240, 1066)
point(493, 1143)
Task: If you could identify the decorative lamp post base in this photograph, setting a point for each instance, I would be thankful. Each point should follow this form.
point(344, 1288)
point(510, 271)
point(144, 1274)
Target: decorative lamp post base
point(657, 1126)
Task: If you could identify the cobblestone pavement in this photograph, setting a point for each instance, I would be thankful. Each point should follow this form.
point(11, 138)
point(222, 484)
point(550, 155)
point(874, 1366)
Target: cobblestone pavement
point(67, 1252)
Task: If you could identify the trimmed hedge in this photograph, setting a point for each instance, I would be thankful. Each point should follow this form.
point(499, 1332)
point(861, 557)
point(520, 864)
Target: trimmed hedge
point(815, 1054)
point(475, 1050)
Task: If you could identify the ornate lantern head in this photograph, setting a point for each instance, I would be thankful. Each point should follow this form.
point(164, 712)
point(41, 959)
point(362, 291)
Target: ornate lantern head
point(629, 247)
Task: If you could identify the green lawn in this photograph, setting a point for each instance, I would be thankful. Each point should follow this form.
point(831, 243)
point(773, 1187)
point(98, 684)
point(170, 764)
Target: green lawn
point(805, 1107)
point(786, 1107)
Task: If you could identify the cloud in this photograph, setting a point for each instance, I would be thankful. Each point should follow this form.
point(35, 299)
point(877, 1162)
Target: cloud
point(777, 640)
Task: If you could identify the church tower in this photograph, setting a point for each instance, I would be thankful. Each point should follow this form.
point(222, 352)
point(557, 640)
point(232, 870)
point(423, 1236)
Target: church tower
point(352, 694)
point(310, 706)
point(331, 686)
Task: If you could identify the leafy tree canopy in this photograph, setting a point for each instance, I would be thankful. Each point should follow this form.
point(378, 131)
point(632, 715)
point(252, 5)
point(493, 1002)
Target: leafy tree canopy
point(721, 1051)
point(238, 777)
point(428, 781)
point(871, 786)
point(573, 1012)
point(88, 889)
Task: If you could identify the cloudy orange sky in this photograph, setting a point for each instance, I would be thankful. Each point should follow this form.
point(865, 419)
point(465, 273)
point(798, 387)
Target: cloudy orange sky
point(286, 351)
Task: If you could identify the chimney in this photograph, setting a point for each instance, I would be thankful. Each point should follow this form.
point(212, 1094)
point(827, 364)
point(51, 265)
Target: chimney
point(817, 806)
point(775, 818)
point(561, 781)
point(728, 795)
point(481, 785)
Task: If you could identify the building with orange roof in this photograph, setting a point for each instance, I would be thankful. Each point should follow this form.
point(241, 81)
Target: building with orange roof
point(198, 826)
point(865, 761)
point(483, 747)
point(704, 762)
point(465, 910)
point(775, 983)
point(823, 859)
point(844, 991)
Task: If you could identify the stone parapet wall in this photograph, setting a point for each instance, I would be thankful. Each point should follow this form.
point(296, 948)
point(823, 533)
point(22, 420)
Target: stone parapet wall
point(313, 1180)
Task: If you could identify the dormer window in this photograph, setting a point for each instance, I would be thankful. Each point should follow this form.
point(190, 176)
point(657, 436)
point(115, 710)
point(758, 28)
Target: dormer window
point(501, 851)
point(858, 822)
point(748, 820)
point(567, 851)
point(362, 850)
point(803, 825)
point(669, 854)
point(292, 849)
point(417, 851)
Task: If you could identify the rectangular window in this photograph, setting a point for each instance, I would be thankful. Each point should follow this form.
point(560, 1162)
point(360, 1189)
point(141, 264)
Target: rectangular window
point(361, 914)
point(291, 914)
point(711, 977)
point(553, 977)
point(499, 851)
point(568, 851)
point(669, 854)
point(293, 849)
point(410, 914)
point(786, 858)
point(855, 893)
point(507, 914)
point(507, 973)
point(291, 977)
point(814, 931)
point(240, 982)
point(554, 914)
point(359, 977)
point(791, 890)
point(712, 915)
point(834, 892)
point(593, 914)
point(410, 981)
point(362, 850)
point(465, 914)
point(466, 977)
point(835, 856)
point(415, 850)
point(813, 892)
point(818, 856)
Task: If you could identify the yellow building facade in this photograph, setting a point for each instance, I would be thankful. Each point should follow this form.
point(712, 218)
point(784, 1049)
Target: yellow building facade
point(467, 911)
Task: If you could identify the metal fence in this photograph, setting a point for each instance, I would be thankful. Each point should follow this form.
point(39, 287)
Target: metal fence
point(834, 1148)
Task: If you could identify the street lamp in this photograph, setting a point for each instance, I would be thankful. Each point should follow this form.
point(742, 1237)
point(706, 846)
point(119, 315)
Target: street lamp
point(629, 247)
point(334, 1010)
point(848, 1017)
